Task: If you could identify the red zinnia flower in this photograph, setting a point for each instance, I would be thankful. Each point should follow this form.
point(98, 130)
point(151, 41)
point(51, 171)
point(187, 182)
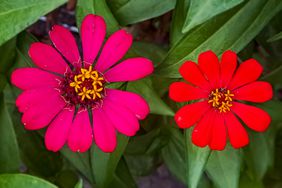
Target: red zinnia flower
point(62, 92)
point(220, 88)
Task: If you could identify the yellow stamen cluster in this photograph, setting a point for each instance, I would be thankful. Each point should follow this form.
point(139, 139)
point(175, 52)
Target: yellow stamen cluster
point(83, 90)
point(221, 99)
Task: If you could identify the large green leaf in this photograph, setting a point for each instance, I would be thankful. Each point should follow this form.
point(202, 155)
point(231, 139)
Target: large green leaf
point(223, 167)
point(16, 15)
point(7, 55)
point(144, 87)
point(133, 11)
point(202, 10)
point(9, 154)
point(23, 181)
point(231, 30)
point(104, 164)
point(196, 160)
point(98, 7)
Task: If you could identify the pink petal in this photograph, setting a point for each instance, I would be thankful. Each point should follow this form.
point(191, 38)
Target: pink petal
point(122, 118)
point(134, 102)
point(104, 132)
point(31, 78)
point(32, 97)
point(93, 32)
point(64, 41)
point(255, 118)
point(46, 57)
point(57, 133)
point(130, 70)
point(41, 114)
point(114, 49)
point(80, 135)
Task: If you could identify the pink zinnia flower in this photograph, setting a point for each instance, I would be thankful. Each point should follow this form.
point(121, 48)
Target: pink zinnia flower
point(70, 93)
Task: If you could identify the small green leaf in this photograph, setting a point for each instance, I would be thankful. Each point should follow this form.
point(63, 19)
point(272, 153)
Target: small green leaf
point(223, 167)
point(276, 37)
point(16, 15)
point(79, 184)
point(202, 10)
point(98, 7)
point(144, 88)
point(196, 160)
point(134, 11)
point(23, 181)
point(104, 164)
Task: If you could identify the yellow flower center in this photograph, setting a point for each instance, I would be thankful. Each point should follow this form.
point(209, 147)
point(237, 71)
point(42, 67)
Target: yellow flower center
point(88, 84)
point(221, 99)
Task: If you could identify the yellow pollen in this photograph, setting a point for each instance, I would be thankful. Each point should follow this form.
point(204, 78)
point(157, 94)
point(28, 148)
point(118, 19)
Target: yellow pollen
point(221, 99)
point(88, 76)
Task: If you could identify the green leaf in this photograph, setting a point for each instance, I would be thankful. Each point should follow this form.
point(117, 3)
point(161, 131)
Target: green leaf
point(231, 30)
point(7, 55)
point(98, 7)
point(274, 77)
point(9, 155)
point(134, 11)
point(104, 164)
point(174, 154)
point(196, 160)
point(276, 37)
point(144, 88)
point(79, 184)
point(81, 161)
point(23, 181)
point(201, 10)
point(223, 167)
point(178, 18)
point(16, 15)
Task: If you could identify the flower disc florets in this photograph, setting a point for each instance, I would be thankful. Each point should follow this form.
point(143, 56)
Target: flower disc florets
point(84, 87)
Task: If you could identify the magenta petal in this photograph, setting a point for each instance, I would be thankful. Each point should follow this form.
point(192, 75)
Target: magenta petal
point(93, 32)
point(135, 103)
point(46, 57)
point(122, 118)
point(130, 70)
point(31, 78)
point(64, 41)
point(114, 49)
point(104, 132)
point(32, 97)
point(80, 135)
point(41, 114)
point(57, 132)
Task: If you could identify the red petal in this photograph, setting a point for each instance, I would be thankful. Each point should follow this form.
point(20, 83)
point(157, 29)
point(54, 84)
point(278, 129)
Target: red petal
point(219, 133)
point(247, 72)
point(64, 41)
point(188, 115)
point(227, 67)
point(182, 92)
point(192, 74)
point(258, 91)
point(202, 132)
point(253, 117)
point(209, 65)
point(238, 136)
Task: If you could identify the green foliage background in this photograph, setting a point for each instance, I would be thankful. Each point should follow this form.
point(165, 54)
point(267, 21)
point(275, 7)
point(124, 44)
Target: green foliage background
point(250, 27)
